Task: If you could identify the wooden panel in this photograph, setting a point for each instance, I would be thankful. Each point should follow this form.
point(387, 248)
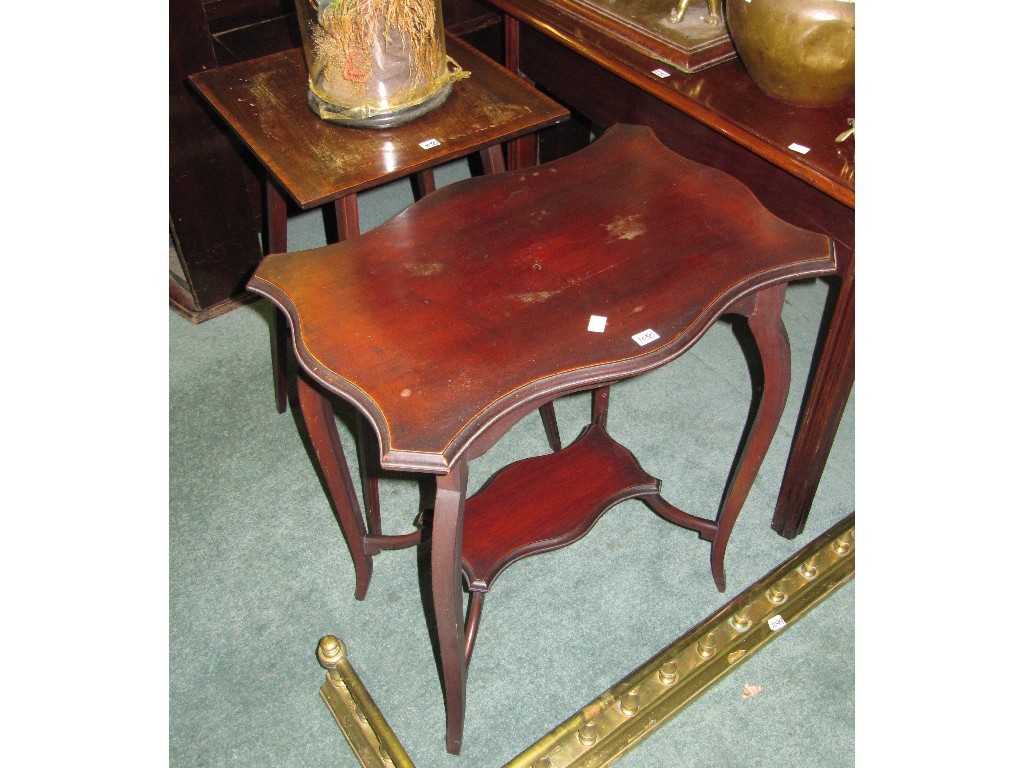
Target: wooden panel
point(547, 502)
point(210, 216)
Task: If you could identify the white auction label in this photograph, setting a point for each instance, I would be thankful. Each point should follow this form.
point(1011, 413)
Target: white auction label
point(775, 623)
point(799, 148)
point(645, 337)
point(430, 143)
point(597, 323)
point(661, 73)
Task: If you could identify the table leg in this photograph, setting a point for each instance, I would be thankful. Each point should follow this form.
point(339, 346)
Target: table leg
point(423, 184)
point(493, 160)
point(369, 473)
point(318, 416)
point(346, 213)
point(548, 418)
point(522, 152)
point(446, 585)
point(773, 348)
point(827, 394)
point(275, 240)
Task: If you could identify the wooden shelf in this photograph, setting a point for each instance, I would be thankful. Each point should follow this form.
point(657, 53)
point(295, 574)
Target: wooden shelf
point(547, 502)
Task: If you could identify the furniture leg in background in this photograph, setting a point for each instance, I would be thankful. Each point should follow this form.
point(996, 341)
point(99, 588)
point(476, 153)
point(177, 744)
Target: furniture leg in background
point(827, 394)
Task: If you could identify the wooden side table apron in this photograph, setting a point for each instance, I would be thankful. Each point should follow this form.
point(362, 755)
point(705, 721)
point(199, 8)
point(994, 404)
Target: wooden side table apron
point(448, 324)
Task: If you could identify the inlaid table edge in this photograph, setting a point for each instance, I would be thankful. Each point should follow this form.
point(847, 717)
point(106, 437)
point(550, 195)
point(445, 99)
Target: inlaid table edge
point(482, 430)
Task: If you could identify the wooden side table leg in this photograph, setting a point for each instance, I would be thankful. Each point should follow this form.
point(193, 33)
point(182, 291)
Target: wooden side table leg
point(446, 585)
point(824, 403)
point(773, 345)
point(279, 358)
point(369, 466)
point(522, 152)
point(346, 214)
point(599, 405)
point(423, 184)
point(493, 160)
point(275, 240)
point(318, 416)
point(476, 607)
point(547, 416)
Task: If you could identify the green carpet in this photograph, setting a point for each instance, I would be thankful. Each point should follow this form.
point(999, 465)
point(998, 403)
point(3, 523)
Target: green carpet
point(259, 570)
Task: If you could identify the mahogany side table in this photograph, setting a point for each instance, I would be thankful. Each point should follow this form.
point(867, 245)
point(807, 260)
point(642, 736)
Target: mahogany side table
point(449, 323)
point(315, 162)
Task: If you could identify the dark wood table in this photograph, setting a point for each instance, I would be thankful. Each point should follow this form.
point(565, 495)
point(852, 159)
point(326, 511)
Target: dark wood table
point(786, 155)
point(315, 162)
point(490, 298)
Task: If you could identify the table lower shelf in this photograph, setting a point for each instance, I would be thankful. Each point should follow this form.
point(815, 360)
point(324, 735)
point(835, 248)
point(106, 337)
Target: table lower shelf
point(547, 502)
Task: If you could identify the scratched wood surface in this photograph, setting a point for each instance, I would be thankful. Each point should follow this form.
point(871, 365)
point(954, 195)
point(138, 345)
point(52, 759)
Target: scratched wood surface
point(264, 102)
point(475, 302)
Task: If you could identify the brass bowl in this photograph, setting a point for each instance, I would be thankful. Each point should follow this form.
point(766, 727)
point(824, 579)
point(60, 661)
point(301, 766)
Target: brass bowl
point(797, 51)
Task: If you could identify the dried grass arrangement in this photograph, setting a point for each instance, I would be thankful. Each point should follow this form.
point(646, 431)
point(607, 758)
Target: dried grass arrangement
point(369, 58)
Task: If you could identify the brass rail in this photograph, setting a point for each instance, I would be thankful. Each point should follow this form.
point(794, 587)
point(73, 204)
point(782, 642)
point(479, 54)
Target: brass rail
point(354, 710)
point(643, 701)
point(647, 698)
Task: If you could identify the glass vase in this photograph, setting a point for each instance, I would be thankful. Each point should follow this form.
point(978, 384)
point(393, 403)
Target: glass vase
point(374, 63)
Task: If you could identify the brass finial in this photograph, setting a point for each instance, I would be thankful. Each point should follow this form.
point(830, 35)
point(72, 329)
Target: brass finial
point(330, 651)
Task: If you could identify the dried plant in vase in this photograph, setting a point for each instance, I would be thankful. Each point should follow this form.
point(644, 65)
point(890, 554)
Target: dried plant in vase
point(375, 62)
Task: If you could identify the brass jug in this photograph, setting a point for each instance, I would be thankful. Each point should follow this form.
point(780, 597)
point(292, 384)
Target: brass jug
point(798, 51)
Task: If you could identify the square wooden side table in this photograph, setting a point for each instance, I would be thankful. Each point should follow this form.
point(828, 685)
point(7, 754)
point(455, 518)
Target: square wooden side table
point(316, 162)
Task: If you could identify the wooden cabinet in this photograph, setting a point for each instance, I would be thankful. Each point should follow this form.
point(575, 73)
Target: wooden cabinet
point(214, 189)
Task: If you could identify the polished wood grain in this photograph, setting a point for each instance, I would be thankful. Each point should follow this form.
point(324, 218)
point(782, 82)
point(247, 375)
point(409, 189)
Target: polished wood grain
point(408, 320)
point(511, 518)
point(315, 162)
